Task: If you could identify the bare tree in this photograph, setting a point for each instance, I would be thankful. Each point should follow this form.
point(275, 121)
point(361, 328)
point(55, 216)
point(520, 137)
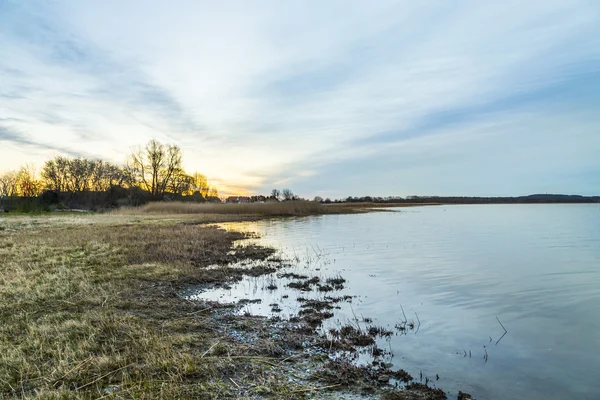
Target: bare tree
point(80, 174)
point(199, 184)
point(180, 183)
point(55, 173)
point(104, 175)
point(27, 183)
point(130, 179)
point(155, 166)
point(318, 199)
point(8, 184)
point(171, 168)
point(287, 194)
point(275, 193)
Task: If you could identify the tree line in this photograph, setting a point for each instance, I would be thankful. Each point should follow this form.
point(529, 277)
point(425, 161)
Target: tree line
point(152, 172)
point(285, 194)
point(530, 199)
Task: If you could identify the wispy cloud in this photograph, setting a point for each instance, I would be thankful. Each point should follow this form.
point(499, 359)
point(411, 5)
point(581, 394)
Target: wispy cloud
point(16, 137)
point(315, 96)
point(64, 79)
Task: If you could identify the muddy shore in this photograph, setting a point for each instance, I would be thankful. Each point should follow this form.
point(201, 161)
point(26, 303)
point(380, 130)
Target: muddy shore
point(296, 347)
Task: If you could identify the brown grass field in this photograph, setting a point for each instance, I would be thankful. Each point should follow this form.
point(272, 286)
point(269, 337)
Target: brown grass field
point(88, 303)
point(281, 209)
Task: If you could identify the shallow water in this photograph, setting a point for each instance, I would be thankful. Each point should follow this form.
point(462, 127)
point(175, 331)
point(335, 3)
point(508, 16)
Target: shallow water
point(456, 269)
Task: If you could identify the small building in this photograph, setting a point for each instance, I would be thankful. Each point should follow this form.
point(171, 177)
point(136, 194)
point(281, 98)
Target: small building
point(238, 199)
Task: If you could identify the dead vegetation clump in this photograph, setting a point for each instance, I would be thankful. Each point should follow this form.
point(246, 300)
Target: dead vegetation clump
point(338, 299)
point(314, 317)
point(337, 282)
point(367, 379)
point(304, 285)
point(318, 305)
point(271, 286)
point(400, 375)
point(379, 331)
point(331, 284)
point(292, 275)
point(420, 393)
point(354, 336)
point(348, 337)
point(324, 288)
point(345, 373)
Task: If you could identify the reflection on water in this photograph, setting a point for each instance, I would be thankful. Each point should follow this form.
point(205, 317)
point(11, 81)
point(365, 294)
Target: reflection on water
point(461, 271)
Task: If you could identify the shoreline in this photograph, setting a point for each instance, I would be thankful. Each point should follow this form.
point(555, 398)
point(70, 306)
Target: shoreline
point(108, 288)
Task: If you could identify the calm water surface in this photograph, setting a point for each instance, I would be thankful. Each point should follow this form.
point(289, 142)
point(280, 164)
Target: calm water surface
point(458, 268)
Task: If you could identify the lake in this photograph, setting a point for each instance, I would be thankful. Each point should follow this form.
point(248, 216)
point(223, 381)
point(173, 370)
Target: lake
point(460, 273)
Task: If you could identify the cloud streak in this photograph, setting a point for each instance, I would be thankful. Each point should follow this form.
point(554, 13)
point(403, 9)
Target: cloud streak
point(18, 138)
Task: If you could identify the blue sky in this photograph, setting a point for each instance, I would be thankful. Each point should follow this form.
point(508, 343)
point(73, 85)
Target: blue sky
point(331, 98)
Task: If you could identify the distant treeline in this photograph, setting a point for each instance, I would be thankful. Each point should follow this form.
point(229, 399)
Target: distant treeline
point(531, 199)
point(152, 173)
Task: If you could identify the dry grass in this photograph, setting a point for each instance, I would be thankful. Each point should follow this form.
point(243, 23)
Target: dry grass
point(88, 305)
point(288, 208)
point(281, 209)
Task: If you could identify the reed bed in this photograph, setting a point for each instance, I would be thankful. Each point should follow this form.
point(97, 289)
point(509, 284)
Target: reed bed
point(287, 208)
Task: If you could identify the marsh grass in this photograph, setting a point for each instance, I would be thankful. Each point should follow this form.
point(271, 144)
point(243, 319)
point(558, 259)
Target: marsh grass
point(274, 209)
point(89, 310)
point(296, 208)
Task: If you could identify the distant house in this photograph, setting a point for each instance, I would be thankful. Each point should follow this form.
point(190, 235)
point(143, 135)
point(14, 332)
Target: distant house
point(252, 199)
point(238, 199)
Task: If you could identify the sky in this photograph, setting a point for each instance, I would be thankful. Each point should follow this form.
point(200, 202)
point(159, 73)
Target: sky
point(329, 98)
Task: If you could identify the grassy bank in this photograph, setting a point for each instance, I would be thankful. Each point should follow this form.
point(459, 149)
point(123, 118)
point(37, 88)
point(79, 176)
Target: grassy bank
point(90, 308)
point(274, 209)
